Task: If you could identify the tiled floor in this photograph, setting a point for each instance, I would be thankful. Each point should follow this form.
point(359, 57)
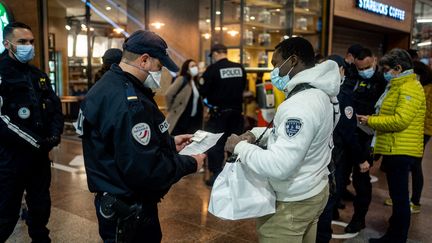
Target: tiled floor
point(183, 212)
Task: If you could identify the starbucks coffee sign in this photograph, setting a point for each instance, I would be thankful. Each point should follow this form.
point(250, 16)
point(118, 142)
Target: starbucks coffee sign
point(381, 9)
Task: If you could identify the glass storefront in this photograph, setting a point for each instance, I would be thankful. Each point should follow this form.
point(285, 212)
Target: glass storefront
point(422, 30)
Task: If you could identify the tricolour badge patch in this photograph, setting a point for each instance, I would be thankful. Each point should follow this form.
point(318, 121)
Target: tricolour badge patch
point(141, 133)
point(349, 111)
point(293, 127)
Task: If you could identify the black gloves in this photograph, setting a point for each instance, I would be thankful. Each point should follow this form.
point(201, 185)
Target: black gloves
point(48, 143)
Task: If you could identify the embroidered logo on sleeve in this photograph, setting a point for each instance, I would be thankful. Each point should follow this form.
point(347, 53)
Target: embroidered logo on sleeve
point(163, 127)
point(293, 127)
point(141, 133)
point(408, 97)
point(349, 111)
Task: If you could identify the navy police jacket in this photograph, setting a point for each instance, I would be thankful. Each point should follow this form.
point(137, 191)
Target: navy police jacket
point(30, 111)
point(127, 149)
point(223, 83)
point(345, 136)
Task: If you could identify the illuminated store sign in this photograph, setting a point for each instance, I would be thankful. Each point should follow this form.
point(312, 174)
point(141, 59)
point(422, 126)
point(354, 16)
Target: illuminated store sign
point(5, 18)
point(381, 9)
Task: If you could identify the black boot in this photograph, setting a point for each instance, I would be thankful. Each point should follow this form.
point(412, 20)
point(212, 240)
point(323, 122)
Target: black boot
point(355, 226)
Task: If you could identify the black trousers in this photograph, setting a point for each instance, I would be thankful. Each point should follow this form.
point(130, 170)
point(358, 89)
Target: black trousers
point(146, 229)
point(361, 181)
point(397, 170)
point(417, 177)
point(228, 122)
point(30, 172)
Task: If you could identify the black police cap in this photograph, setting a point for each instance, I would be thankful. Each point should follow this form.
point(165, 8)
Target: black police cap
point(338, 59)
point(144, 41)
point(112, 56)
point(218, 48)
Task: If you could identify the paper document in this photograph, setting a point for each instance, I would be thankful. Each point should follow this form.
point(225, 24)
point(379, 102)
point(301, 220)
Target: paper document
point(202, 141)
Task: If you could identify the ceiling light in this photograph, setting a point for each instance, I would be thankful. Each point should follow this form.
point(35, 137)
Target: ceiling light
point(206, 36)
point(207, 20)
point(108, 8)
point(424, 20)
point(118, 30)
point(425, 43)
point(218, 12)
point(277, 10)
point(68, 27)
point(157, 25)
point(91, 29)
point(252, 17)
point(233, 33)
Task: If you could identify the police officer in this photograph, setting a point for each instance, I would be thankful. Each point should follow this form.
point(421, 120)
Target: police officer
point(131, 161)
point(222, 84)
point(346, 148)
point(370, 84)
point(30, 126)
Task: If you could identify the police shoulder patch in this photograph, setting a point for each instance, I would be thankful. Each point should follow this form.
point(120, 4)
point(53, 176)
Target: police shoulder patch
point(293, 126)
point(349, 111)
point(141, 133)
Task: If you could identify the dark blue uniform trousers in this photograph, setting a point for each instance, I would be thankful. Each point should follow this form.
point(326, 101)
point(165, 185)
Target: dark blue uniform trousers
point(31, 172)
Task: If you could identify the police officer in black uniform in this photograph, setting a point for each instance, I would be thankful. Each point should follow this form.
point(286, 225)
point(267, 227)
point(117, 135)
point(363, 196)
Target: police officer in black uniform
point(346, 149)
point(222, 84)
point(131, 161)
point(369, 85)
point(31, 123)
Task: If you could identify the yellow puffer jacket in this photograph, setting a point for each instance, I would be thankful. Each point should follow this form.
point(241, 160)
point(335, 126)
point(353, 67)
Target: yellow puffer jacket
point(428, 117)
point(400, 122)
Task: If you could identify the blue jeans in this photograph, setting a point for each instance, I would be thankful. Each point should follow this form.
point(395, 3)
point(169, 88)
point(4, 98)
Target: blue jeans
point(397, 169)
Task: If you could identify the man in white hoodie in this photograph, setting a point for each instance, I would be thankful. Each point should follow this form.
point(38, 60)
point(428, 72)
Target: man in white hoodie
point(299, 144)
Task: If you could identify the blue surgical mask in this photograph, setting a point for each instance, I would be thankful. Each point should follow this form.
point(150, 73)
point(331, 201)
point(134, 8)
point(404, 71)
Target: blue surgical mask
point(24, 53)
point(367, 74)
point(388, 76)
point(280, 82)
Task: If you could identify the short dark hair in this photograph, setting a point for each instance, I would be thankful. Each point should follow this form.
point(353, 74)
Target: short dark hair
point(397, 57)
point(8, 29)
point(365, 52)
point(413, 53)
point(130, 56)
point(298, 46)
point(423, 71)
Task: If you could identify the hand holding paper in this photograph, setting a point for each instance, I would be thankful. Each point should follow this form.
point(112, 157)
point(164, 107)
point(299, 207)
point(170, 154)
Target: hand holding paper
point(202, 141)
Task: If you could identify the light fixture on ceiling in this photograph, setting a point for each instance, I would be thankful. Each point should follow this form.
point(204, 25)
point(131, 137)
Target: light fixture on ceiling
point(424, 20)
point(233, 33)
point(157, 24)
point(252, 17)
point(206, 36)
point(207, 20)
point(425, 43)
point(68, 27)
point(118, 30)
point(107, 8)
point(83, 27)
point(218, 12)
point(91, 29)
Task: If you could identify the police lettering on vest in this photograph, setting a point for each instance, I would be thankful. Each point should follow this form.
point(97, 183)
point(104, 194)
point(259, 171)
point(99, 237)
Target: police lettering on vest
point(231, 73)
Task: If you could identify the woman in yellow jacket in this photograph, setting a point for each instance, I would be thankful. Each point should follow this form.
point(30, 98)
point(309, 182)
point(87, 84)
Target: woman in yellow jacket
point(399, 126)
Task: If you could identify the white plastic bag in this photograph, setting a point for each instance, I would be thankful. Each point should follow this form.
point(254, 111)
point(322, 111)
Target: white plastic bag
point(239, 193)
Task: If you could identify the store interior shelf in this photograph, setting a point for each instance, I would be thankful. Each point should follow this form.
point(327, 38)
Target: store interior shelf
point(304, 32)
point(257, 25)
point(305, 11)
point(258, 69)
point(262, 3)
point(259, 48)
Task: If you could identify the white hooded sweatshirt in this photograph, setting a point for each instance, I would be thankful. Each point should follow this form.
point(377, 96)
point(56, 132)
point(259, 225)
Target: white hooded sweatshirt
point(300, 143)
